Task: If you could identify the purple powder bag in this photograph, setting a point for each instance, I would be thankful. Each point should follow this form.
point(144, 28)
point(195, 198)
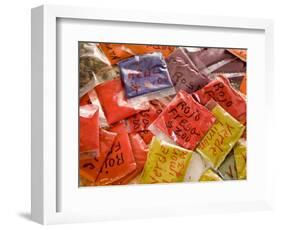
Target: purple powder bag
point(184, 73)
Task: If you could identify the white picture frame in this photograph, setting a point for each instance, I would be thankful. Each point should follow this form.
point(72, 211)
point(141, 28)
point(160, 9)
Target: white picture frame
point(53, 203)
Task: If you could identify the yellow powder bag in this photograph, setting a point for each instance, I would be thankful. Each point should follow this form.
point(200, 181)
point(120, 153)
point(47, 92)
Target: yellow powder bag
point(165, 163)
point(240, 156)
point(210, 175)
point(222, 136)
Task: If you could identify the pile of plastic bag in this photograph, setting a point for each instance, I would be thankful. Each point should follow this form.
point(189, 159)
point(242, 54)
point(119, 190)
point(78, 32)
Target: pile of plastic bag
point(161, 114)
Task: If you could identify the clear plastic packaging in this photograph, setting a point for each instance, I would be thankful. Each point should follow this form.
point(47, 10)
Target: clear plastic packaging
point(196, 168)
point(91, 64)
point(145, 77)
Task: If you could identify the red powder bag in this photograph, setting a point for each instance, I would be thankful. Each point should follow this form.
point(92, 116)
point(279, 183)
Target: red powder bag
point(120, 160)
point(184, 121)
point(146, 135)
point(222, 92)
point(89, 131)
point(85, 100)
point(142, 120)
point(112, 99)
point(140, 150)
point(90, 168)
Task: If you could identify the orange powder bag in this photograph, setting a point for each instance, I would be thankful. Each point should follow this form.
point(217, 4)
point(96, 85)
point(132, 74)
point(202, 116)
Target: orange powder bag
point(140, 150)
point(228, 98)
point(118, 52)
point(89, 131)
point(120, 160)
point(243, 87)
point(112, 99)
point(242, 54)
point(90, 168)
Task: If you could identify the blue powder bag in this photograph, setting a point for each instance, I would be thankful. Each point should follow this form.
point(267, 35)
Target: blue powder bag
point(146, 76)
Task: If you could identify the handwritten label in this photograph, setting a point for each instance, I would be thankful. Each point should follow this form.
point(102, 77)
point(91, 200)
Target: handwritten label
point(221, 138)
point(221, 91)
point(144, 74)
point(91, 166)
point(142, 120)
point(184, 120)
point(183, 73)
point(166, 163)
point(120, 161)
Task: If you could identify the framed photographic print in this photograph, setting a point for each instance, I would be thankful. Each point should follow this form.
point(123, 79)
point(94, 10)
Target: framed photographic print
point(140, 114)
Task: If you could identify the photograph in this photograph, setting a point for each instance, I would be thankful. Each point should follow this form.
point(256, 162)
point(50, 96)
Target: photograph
point(155, 114)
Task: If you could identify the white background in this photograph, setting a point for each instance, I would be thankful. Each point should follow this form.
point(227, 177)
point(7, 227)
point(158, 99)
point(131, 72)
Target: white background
point(15, 114)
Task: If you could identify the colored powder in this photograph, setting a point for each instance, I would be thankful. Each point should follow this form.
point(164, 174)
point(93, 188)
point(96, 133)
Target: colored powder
point(146, 135)
point(118, 52)
point(165, 163)
point(184, 121)
point(221, 91)
point(90, 168)
point(242, 54)
point(112, 99)
point(120, 160)
point(210, 175)
point(240, 155)
point(143, 49)
point(85, 100)
point(140, 150)
point(144, 74)
point(206, 57)
point(227, 169)
point(89, 131)
point(84, 182)
point(183, 73)
point(215, 60)
point(142, 120)
point(221, 138)
point(243, 87)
